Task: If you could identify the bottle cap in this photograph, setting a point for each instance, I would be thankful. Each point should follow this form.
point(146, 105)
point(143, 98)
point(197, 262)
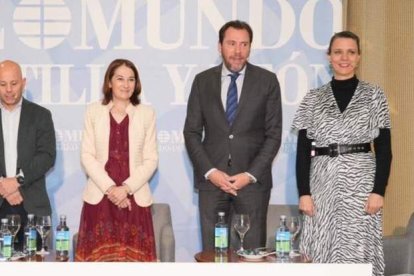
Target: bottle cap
point(4, 220)
point(30, 216)
point(221, 213)
point(62, 216)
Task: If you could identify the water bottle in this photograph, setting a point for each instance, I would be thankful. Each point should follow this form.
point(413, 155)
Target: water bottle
point(221, 232)
point(6, 240)
point(30, 236)
point(283, 239)
point(62, 239)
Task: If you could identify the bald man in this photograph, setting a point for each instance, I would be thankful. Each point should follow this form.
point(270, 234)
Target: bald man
point(27, 149)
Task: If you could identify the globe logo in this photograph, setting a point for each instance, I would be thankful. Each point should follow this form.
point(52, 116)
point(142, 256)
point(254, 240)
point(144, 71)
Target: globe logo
point(42, 24)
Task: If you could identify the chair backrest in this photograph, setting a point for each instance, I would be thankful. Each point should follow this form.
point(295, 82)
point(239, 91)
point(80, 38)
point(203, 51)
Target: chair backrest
point(410, 236)
point(273, 220)
point(163, 232)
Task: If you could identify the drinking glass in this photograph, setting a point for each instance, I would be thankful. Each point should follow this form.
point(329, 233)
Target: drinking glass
point(241, 225)
point(43, 225)
point(14, 224)
point(295, 226)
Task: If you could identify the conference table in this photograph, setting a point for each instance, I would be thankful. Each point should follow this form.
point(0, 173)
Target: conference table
point(206, 265)
point(232, 263)
point(210, 256)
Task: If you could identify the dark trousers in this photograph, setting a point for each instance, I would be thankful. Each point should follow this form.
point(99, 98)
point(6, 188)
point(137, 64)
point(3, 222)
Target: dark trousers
point(253, 203)
point(7, 209)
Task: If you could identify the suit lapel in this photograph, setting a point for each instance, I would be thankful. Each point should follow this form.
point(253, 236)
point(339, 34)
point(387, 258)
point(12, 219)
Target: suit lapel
point(216, 87)
point(24, 126)
point(216, 91)
point(135, 129)
point(247, 88)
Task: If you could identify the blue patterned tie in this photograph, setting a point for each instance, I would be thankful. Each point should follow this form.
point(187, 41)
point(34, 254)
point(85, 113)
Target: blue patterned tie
point(231, 104)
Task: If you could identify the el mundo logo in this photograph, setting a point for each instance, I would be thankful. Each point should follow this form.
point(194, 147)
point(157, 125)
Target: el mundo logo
point(42, 24)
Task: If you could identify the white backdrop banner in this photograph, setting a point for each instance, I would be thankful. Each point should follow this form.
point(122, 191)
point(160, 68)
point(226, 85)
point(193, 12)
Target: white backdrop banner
point(64, 48)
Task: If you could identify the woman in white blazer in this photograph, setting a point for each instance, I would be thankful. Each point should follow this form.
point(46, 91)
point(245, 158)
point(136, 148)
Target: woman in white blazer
point(119, 155)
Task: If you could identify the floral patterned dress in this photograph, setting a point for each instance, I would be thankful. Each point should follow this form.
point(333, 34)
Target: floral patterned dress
point(108, 233)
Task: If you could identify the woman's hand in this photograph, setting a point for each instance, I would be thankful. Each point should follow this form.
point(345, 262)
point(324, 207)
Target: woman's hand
point(117, 194)
point(126, 203)
point(374, 203)
point(306, 205)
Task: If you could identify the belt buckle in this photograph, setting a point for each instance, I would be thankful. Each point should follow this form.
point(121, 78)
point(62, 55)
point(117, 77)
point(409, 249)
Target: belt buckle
point(334, 150)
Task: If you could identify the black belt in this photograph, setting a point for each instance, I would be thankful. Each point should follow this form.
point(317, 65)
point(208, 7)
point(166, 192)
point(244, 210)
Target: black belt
point(333, 150)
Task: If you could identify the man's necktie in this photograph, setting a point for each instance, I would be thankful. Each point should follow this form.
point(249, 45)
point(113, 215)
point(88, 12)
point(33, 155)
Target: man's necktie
point(231, 104)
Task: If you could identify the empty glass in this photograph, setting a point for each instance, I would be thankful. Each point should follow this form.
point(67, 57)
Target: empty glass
point(295, 226)
point(241, 225)
point(14, 224)
point(43, 225)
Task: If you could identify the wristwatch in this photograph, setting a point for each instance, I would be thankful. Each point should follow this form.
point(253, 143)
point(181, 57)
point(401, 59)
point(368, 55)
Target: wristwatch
point(20, 178)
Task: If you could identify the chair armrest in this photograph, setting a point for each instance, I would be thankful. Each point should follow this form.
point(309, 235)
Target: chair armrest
point(396, 252)
point(167, 244)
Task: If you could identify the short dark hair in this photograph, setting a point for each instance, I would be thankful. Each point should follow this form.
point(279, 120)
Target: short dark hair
point(237, 24)
point(344, 34)
point(107, 91)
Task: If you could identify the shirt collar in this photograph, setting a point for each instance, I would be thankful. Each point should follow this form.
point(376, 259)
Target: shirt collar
point(18, 105)
point(225, 72)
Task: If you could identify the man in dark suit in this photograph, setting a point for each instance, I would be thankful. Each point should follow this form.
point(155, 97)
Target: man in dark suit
point(232, 147)
point(27, 149)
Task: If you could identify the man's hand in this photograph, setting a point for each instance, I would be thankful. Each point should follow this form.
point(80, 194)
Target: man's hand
point(374, 203)
point(221, 180)
point(239, 181)
point(306, 205)
point(14, 198)
point(8, 186)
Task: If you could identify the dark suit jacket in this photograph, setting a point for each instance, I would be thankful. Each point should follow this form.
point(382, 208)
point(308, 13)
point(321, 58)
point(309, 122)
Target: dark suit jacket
point(254, 138)
point(36, 154)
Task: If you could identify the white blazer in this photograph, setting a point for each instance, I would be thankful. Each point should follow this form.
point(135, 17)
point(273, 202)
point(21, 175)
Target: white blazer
point(143, 152)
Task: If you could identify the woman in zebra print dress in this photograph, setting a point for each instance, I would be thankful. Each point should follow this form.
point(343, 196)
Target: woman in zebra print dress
point(341, 194)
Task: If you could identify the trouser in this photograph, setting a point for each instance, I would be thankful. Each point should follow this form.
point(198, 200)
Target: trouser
point(253, 203)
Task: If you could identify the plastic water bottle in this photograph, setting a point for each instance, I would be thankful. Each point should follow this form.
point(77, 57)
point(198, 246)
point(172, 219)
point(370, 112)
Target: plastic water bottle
point(221, 232)
point(6, 240)
point(283, 239)
point(30, 236)
point(62, 239)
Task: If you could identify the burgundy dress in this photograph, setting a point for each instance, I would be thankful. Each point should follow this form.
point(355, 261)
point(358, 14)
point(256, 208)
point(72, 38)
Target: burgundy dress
point(110, 234)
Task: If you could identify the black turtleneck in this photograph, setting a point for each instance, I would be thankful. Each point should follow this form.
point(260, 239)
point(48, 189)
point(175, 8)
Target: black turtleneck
point(343, 90)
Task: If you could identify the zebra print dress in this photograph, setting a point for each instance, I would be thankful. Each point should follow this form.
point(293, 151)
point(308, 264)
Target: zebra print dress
point(341, 231)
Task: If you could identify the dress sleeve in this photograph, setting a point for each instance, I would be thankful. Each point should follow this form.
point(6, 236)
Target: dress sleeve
point(303, 116)
point(380, 114)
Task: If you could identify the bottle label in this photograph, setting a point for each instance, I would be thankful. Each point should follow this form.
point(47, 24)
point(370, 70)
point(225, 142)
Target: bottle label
point(62, 240)
point(7, 240)
point(283, 242)
point(7, 249)
point(31, 236)
point(221, 240)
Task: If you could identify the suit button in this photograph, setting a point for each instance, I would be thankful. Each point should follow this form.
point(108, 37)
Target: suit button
point(231, 136)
